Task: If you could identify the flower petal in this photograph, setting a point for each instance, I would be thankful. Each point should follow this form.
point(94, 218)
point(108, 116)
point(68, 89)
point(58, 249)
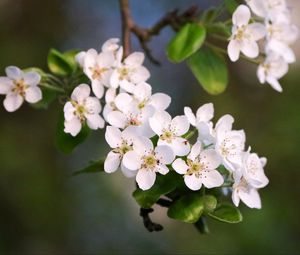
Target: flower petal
point(32, 78)
point(106, 59)
point(160, 101)
point(192, 182)
point(73, 126)
point(180, 166)
point(69, 111)
point(113, 136)
point(212, 179)
point(13, 72)
point(117, 119)
point(112, 162)
point(12, 102)
point(140, 74)
point(97, 88)
point(123, 101)
point(33, 94)
point(145, 179)
point(132, 160)
point(251, 198)
point(250, 49)
point(81, 92)
point(241, 16)
point(180, 125)
point(110, 45)
point(142, 91)
point(190, 115)
point(233, 50)
point(162, 169)
point(92, 105)
point(205, 113)
point(5, 85)
point(195, 151)
point(210, 159)
point(159, 121)
point(180, 146)
point(135, 59)
point(127, 172)
point(94, 121)
point(257, 31)
point(142, 145)
point(164, 154)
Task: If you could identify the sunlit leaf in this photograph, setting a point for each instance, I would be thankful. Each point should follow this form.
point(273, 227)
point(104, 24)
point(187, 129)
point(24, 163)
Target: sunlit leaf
point(93, 167)
point(60, 64)
point(227, 213)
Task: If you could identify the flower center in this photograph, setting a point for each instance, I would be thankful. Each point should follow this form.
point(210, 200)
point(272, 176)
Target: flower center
point(125, 147)
point(97, 72)
point(79, 111)
point(167, 136)
point(20, 87)
point(227, 149)
point(149, 162)
point(123, 72)
point(240, 33)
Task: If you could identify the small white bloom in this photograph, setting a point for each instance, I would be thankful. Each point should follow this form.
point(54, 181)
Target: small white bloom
point(129, 72)
point(244, 35)
point(229, 143)
point(148, 161)
point(110, 105)
point(111, 45)
point(80, 109)
point(170, 131)
point(202, 121)
point(245, 192)
point(271, 70)
point(19, 86)
point(98, 67)
point(200, 168)
point(121, 143)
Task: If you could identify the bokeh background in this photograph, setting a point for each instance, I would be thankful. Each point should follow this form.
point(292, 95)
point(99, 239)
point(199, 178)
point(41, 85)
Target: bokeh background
point(43, 210)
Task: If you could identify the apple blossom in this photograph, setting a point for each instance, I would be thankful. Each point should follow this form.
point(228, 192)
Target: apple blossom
point(19, 86)
point(244, 35)
point(80, 109)
point(170, 131)
point(200, 168)
point(148, 161)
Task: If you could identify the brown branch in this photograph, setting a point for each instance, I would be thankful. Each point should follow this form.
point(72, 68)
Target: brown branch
point(144, 35)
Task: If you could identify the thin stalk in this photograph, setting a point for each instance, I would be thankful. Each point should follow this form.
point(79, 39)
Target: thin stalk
point(51, 87)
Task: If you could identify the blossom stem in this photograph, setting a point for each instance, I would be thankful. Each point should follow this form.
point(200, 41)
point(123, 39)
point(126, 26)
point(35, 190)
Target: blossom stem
point(190, 134)
point(51, 87)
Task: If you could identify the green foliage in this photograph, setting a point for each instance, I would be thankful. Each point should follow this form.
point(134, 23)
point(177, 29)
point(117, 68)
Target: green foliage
point(231, 5)
point(186, 42)
point(67, 143)
point(62, 64)
point(164, 184)
point(227, 213)
point(189, 208)
point(219, 28)
point(48, 97)
point(209, 15)
point(201, 225)
point(93, 167)
point(210, 69)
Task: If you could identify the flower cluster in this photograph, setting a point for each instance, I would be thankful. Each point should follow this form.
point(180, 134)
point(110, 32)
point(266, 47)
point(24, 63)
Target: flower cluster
point(145, 140)
point(270, 24)
point(18, 86)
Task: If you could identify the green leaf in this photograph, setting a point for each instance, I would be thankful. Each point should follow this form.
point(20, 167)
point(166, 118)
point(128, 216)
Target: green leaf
point(201, 225)
point(227, 213)
point(209, 15)
point(210, 69)
point(70, 57)
point(60, 64)
point(210, 203)
point(219, 28)
point(48, 97)
point(94, 167)
point(187, 41)
point(164, 184)
point(67, 143)
point(231, 5)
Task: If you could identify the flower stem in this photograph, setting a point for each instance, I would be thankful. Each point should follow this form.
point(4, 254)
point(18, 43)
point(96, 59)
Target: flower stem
point(190, 134)
point(51, 87)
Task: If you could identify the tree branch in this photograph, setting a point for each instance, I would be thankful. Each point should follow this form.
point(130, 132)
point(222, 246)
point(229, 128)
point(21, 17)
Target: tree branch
point(148, 223)
point(144, 35)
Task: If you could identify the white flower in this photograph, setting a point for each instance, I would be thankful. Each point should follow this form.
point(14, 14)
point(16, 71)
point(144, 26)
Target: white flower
point(148, 161)
point(98, 67)
point(244, 35)
point(271, 70)
point(111, 45)
point(127, 114)
point(200, 168)
point(80, 109)
point(229, 143)
point(110, 105)
point(129, 72)
point(121, 143)
point(170, 131)
point(245, 192)
point(253, 170)
point(202, 121)
point(19, 86)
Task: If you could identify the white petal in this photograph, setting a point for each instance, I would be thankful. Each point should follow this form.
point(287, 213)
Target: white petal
point(210, 159)
point(164, 154)
point(97, 88)
point(33, 94)
point(233, 50)
point(241, 16)
point(127, 172)
point(192, 182)
point(132, 160)
point(261, 74)
point(250, 49)
point(128, 86)
point(195, 151)
point(190, 115)
point(12, 102)
point(212, 179)
point(180, 146)
point(180, 166)
point(257, 6)
point(180, 125)
point(129, 134)
point(106, 59)
point(92, 105)
point(145, 179)
point(257, 31)
point(110, 45)
point(142, 91)
point(69, 111)
point(73, 126)
point(205, 113)
point(162, 169)
point(135, 59)
point(112, 162)
point(94, 121)
point(160, 101)
point(122, 101)
point(274, 83)
point(80, 58)
point(5, 85)
point(225, 123)
point(117, 119)
point(113, 136)
point(110, 95)
point(81, 92)
point(14, 72)
point(140, 74)
point(235, 197)
point(250, 198)
point(114, 79)
point(32, 78)
point(142, 145)
point(159, 121)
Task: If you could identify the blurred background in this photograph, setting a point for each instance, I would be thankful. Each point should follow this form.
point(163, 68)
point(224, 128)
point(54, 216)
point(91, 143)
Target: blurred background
point(45, 211)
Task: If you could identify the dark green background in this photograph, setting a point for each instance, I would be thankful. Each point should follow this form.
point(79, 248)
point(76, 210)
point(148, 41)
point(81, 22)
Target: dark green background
point(44, 210)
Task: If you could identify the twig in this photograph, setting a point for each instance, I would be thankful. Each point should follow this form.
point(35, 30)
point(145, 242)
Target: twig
point(144, 35)
point(148, 223)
